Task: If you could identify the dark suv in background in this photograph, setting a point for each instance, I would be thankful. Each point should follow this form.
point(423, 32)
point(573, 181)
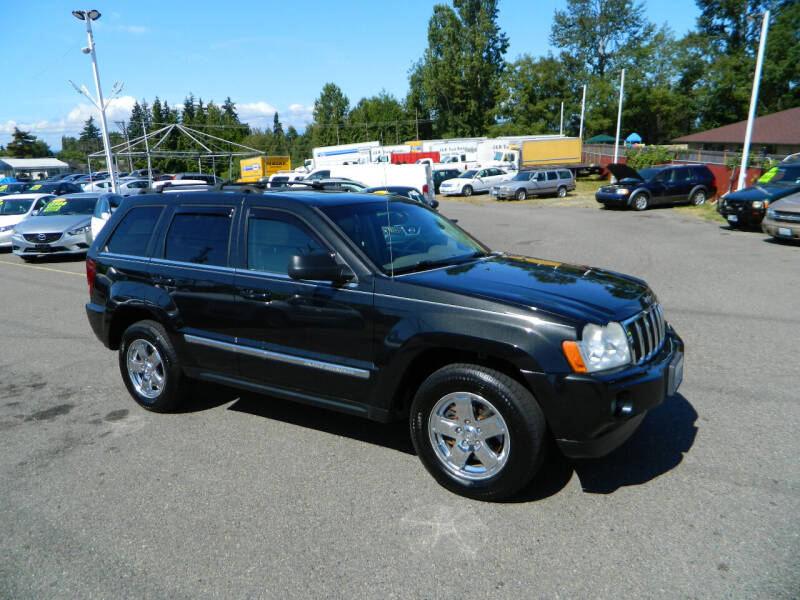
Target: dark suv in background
point(747, 207)
point(380, 307)
point(658, 185)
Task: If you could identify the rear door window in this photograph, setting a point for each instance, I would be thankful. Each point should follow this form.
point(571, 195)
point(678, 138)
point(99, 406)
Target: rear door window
point(200, 235)
point(552, 176)
point(132, 235)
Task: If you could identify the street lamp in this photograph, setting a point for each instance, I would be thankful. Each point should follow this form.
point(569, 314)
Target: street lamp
point(89, 16)
point(753, 100)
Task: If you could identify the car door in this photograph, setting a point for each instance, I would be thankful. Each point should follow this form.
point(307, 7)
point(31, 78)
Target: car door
point(551, 182)
point(193, 283)
point(538, 183)
point(682, 185)
point(480, 182)
point(312, 337)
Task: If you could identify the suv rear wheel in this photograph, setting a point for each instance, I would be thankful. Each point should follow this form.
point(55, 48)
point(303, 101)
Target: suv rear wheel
point(479, 432)
point(562, 192)
point(698, 197)
point(150, 368)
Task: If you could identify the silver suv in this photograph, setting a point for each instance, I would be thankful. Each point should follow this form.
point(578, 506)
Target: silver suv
point(539, 182)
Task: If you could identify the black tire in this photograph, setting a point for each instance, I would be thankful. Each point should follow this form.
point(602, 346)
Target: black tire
point(467, 190)
point(640, 201)
point(698, 197)
point(144, 335)
point(562, 192)
point(521, 445)
point(521, 195)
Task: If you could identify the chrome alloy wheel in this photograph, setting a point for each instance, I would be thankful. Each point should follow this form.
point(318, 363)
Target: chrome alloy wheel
point(146, 369)
point(469, 436)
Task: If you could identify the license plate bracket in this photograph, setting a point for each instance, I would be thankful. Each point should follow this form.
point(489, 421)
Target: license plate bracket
point(675, 374)
point(733, 218)
point(785, 231)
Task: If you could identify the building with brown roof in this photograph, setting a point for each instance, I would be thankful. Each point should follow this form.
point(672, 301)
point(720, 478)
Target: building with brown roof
point(778, 133)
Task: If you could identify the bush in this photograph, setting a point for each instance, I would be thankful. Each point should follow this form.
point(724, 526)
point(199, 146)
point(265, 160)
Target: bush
point(640, 157)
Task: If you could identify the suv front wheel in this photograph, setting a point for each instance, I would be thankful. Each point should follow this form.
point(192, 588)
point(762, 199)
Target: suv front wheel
point(149, 366)
point(640, 201)
point(479, 432)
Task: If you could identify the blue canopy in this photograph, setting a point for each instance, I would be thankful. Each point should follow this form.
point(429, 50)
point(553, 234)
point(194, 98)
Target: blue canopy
point(633, 138)
point(7, 180)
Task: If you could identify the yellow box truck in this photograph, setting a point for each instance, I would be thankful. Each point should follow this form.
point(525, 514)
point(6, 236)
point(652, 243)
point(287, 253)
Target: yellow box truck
point(563, 152)
point(258, 167)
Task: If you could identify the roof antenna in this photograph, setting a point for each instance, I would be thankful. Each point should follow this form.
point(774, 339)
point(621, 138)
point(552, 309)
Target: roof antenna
point(389, 235)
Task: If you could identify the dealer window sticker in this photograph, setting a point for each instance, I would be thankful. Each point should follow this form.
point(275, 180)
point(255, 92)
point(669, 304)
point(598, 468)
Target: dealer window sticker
point(3, 187)
point(36, 187)
point(54, 205)
point(767, 177)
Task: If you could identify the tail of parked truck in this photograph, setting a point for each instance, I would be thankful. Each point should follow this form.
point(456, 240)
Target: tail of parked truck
point(260, 167)
point(378, 175)
point(531, 152)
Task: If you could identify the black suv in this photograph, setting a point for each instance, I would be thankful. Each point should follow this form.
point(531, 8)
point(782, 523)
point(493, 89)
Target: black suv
point(658, 185)
point(747, 207)
point(380, 307)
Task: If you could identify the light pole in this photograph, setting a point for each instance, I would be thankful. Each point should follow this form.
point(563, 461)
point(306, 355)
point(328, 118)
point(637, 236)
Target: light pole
point(619, 112)
point(89, 16)
point(753, 101)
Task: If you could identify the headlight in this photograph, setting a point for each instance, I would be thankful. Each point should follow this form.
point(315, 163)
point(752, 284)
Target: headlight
point(757, 204)
point(79, 230)
point(622, 191)
point(6, 228)
point(600, 348)
point(771, 213)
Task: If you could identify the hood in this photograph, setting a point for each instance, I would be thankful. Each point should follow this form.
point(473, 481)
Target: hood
point(54, 224)
point(6, 220)
point(761, 191)
point(581, 293)
point(621, 172)
point(789, 204)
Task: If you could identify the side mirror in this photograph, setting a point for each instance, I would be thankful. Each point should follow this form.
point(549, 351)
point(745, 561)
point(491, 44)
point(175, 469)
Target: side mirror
point(105, 215)
point(434, 204)
point(319, 266)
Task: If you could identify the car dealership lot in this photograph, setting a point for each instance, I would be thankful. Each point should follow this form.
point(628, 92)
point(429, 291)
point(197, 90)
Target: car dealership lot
point(243, 496)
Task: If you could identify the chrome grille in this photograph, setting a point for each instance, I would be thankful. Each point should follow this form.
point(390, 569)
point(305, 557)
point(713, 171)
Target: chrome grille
point(41, 238)
point(646, 332)
point(786, 216)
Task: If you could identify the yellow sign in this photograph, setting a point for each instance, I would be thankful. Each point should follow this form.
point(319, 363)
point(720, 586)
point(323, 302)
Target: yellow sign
point(3, 187)
point(54, 205)
point(35, 187)
point(767, 177)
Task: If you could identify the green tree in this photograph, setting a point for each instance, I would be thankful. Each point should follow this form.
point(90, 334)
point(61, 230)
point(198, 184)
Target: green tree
point(381, 118)
point(330, 115)
point(26, 145)
point(457, 80)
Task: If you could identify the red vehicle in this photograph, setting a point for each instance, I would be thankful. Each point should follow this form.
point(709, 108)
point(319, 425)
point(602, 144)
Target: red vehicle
point(409, 158)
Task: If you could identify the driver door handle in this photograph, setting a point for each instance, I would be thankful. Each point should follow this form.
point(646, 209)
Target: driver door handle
point(255, 295)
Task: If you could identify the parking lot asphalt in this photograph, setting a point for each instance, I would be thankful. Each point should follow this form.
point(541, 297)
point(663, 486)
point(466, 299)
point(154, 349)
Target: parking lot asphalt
point(241, 496)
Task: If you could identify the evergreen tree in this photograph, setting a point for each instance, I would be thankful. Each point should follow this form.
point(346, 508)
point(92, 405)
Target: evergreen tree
point(26, 145)
point(330, 115)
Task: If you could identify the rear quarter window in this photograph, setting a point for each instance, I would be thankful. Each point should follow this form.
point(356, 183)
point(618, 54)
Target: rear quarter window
point(564, 175)
point(132, 234)
point(551, 175)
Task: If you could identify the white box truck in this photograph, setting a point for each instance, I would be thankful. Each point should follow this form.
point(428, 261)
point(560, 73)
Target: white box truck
point(376, 175)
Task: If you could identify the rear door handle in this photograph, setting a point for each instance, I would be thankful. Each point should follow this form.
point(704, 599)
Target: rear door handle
point(255, 295)
point(163, 280)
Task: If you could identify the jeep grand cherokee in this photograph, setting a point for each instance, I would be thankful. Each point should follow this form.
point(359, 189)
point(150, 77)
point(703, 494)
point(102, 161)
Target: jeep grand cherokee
point(382, 308)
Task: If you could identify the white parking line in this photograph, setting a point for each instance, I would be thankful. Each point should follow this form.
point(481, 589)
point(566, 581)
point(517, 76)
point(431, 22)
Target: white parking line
point(5, 262)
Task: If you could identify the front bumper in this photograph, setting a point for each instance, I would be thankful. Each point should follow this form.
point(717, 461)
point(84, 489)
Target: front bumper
point(787, 230)
point(66, 244)
point(592, 414)
point(741, 213)
point(5, 239)
point(613, 199)
point(502, 193)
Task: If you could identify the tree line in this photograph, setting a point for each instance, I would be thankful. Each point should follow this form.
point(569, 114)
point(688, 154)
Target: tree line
point(463, 84)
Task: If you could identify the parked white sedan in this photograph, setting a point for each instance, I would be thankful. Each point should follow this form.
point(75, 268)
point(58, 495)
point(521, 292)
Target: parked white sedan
point(127, 187)
point(16, 208)
point(473, 181)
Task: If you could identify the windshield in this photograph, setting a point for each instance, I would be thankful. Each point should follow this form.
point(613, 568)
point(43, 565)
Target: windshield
point(408, 237)
point(781, 176)
point(69, 206)
point(14, 207)
point(467, 175)
point(522, 176)
point(13, 188)
point(646, 174)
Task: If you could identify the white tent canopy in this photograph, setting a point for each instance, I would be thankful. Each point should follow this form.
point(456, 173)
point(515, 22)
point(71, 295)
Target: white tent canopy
point(12, 166)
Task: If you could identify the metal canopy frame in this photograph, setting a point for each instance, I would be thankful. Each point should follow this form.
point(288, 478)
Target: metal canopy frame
point(210, 147)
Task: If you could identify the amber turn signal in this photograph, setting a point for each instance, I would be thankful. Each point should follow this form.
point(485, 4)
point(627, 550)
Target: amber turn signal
point(573, 355)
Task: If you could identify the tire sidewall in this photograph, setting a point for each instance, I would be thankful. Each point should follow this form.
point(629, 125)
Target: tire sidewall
point(562, 192)
point(635, 198)
point(526, 449)
point(150, 331)
point(697, 193)
point(467, 190)
point(521, 195)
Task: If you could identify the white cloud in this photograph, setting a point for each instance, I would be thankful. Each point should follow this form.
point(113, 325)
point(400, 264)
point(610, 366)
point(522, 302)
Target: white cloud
point(135, 29)
point(260, 114)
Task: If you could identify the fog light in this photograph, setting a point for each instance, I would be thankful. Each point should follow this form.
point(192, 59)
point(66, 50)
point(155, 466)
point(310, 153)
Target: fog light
point(622, 407)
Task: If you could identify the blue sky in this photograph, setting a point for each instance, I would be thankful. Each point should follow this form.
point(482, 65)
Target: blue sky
point(266, 56)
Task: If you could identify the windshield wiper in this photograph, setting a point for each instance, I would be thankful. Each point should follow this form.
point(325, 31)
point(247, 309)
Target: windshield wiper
point(430, 264)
